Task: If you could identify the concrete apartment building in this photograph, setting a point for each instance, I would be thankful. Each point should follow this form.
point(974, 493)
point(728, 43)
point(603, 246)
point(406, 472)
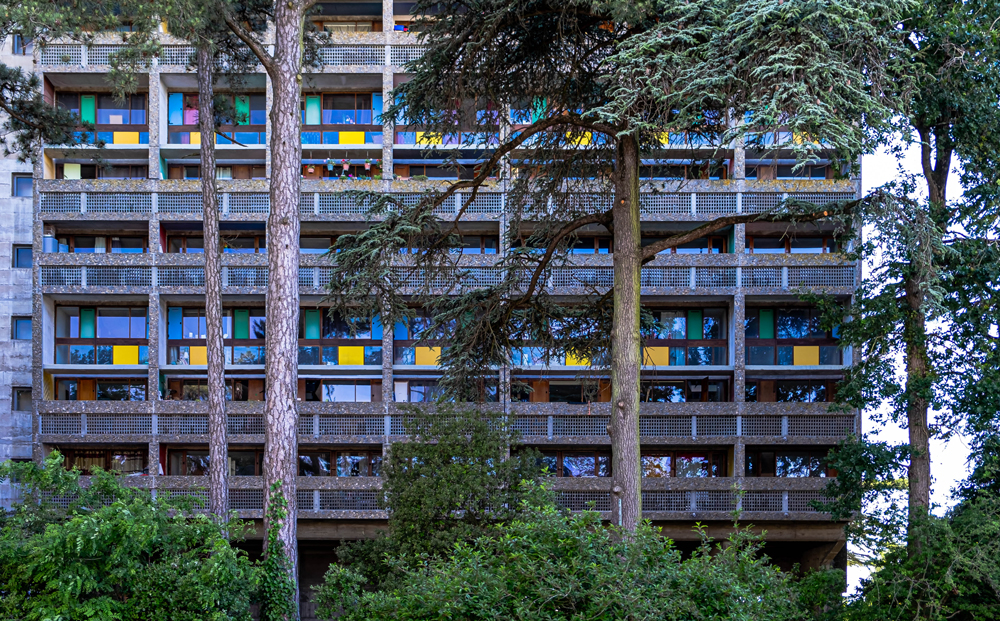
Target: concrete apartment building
point(15, 293)
point(735, 385)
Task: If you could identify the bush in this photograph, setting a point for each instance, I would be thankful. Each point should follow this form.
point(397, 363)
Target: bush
point(106, 551)
point(552, 565)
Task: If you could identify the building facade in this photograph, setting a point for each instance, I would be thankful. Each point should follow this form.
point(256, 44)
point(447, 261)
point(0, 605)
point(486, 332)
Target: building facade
point(736, 385)
point(16, 180)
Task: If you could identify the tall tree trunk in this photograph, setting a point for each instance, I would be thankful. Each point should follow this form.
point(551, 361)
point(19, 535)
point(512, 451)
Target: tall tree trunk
point(282, 311)
point(625, 346)
point(917, 385)
point(218, 453)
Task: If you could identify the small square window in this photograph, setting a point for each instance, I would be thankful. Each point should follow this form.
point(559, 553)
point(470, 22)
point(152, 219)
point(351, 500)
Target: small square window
point(20, 328)
point(21, 185)
point(22, 256)
point(21, 399)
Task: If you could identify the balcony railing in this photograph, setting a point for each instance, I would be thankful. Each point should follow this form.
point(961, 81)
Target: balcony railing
point(681, 205)
point(535, 422)
point(345, 497)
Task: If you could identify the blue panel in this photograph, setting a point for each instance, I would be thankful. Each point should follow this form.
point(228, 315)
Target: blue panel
point(310, 138)
point(376, 328)
point(143, 137)
point(331, 137)
point(399, 331)
point(174, 318)
point(175, 109)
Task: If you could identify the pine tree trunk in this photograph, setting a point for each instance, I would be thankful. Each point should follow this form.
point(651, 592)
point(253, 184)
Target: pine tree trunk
point(917, 382)
point(625, 346)
point(218, 454)
point(282, 310)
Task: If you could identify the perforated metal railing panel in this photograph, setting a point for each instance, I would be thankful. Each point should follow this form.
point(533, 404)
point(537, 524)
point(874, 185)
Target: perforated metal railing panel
point(352, 55)
point(180, 277)
point(114, 276)
point(581, 501)
point(401, 54)
point(176, 202)
point(120, 202)
point(62, 55)
point(53, 276)
point(60, 202)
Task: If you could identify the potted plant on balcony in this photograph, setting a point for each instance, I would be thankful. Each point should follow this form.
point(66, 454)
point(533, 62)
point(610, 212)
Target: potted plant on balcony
point(368, 164)
point(329, 163)
point(346, 163)
point(310, 169)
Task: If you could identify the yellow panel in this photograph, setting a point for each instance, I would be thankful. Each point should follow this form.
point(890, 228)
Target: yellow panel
point(579, 139)
point(71, 171)
point(573, 361)
point(352, 356)
point(195, 137)
point(425, 138)
point(427, 356)
point(352, 137)
point(656, 356)
point(126, 137)
point(199, 355)
point(125, 354)
point(805, 355)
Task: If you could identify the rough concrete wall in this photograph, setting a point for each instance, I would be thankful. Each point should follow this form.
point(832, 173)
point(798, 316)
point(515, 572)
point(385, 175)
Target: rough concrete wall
point(15, 300)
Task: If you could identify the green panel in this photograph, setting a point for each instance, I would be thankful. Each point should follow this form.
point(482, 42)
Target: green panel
point(87, 323)
point(766, 323)
point(243, 109)
point(312, 324)
point(695, 320)
point(88, 109)
point(732, 241)
point(241, 319)
point(312, 110)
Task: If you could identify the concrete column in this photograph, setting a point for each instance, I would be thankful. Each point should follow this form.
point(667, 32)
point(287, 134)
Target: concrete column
point(387, 17)
point(738, 339)
point(388, 124)
point(739, 161)
point(155, 354)
point(156, 96)
point(269, 103)
point(154, 236)
point(739, 460)
point(154, 460)
point(387, 358)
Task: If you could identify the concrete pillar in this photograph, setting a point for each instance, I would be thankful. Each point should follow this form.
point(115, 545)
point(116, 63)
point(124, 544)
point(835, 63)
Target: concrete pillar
point(388, 124)
point(156, 101)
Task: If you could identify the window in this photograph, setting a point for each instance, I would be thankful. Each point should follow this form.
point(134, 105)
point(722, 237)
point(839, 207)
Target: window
point(21, 399)
point(20, 328)
point(790, 391)
point(102, 335)
point(21, 185)
point(478, 244)
point(237, 389)
point(21, 46)
point(22, 256)
point(592, 245)
point(129, 462)
point(101, 389)
point(326, 340)
point(694, 337)
point(315, 245)
point(245, 244)
point(576, 463)
point(344, 463)
point(349, 390)
point(707, 390)
point(791, 464)
point(790, 244)
point(417, 391)
point(683, 464)
point(789, 336)
point(100, 244)
point(190, 244)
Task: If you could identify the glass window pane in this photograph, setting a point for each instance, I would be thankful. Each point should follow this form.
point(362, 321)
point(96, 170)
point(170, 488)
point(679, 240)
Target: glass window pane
point(22, 329)
point(242, 463)
point(138, 323)
point(314, 465)
point(800, 391)
point(195, 245)
point(66, 390)
point(113, 391)
point(23, 185)
point(112, 111)
point(128, 245)
point(196, 463)
point(714, 324)
point(656, 466)
point(660, 392)
point(314, 245)
point(338, 391)
point(579, 465)
point(806, 245)
point(768, 245)
point(760, 355)
point(692, 465)
point(672, 325)
point(128, 462)
point(352, 465)
point(113, 323)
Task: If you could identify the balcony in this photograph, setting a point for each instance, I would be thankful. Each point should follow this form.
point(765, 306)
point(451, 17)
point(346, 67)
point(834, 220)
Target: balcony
point(693, 201)
point(663, 499)
point(375, 423)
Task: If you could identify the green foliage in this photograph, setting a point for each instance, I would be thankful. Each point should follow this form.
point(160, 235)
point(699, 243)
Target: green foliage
point(107, 551)
point(277, 586)
point(954, 574)
point(548, 564)
point(450, 482)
